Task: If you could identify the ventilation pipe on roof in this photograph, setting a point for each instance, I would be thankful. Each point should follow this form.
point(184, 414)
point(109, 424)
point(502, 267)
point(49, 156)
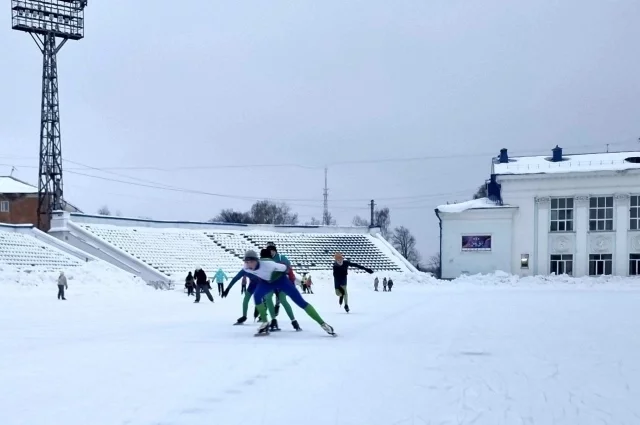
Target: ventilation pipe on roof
point(557, 154)
point(504, 157)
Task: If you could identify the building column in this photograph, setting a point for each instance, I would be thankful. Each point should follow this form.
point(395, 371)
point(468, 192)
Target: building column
point(621, 223)
point(542, 232)
point(581, 218)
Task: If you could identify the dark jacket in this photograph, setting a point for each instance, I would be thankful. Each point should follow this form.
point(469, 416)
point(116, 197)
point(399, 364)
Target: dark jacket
point(340, 272)
point(189, 280)
point(201, 277)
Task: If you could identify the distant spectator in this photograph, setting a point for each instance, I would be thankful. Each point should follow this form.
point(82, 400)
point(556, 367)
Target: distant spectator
point(189, 283)
point(308, 284)
point(384, 285)
point(375, 284)
point(303, 282)
point(220, 277)
point(243, 289)
point(202, 284)
point(62, 285)
point(390, 284)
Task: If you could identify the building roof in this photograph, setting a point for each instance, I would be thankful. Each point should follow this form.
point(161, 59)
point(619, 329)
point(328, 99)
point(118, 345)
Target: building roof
point(9, 184)
point(474, 204)
point(606, 161)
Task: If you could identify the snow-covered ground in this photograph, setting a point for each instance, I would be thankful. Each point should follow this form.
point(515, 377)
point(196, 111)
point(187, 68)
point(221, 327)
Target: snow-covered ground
point(481, 350)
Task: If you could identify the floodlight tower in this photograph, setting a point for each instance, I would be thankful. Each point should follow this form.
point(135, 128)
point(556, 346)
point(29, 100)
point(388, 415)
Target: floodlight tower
point(45, 21)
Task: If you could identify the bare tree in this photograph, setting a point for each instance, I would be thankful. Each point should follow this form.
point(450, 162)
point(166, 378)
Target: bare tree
point(104, 210)
point(328, 220)
point(267, 212)
point(433, 265)
point(314, 222)
point(383, 220)
point(360, 222)
point(405, 243)
point(481, 192)
point(231, 216)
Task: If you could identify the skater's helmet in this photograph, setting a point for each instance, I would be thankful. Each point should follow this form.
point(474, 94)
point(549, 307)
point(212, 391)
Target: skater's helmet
point(271, 245)
point(265, 253)
point(250, 255)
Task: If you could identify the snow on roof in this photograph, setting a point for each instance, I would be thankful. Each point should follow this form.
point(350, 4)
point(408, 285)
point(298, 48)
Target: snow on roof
point(9, 184)
point(474, 204)
point(606, 161)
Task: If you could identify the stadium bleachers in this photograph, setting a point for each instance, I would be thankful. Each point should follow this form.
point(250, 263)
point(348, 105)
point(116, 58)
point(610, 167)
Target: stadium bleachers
point(175, 251)
point(21, 250)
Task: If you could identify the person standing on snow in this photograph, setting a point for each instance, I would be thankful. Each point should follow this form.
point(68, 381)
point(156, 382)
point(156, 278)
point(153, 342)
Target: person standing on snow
point(273, 276)
point(384, 285)
point(375, 284)
point(390, 284)
point(202, 285)
point(340, 272)
point(189, 283)
point(62, 285)
point(308, 283)
point(220, 277)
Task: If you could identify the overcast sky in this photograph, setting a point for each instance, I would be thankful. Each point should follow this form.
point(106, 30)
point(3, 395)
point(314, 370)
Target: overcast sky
point(192, 91)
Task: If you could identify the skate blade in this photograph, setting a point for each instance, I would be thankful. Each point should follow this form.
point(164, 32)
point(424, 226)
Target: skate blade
point(238, 324)
point(262, 334)
point(275, 330)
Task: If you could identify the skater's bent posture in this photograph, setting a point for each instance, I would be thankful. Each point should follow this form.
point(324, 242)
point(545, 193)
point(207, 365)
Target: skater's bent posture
point(340, 272)
point(273, 276)
point(62, 285)
point(384, 285)
point(253, 283)
point(375, 284)
point(202, 285)
point(220, 277)
point(281, 298)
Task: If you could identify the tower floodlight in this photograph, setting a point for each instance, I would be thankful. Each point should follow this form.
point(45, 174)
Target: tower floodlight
point(45, 21)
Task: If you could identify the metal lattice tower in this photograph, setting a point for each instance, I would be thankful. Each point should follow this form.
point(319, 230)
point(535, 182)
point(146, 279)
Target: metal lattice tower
point(45, 21)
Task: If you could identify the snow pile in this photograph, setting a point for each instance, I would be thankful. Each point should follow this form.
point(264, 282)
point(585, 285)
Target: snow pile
point(502, 278)
point(94, 277)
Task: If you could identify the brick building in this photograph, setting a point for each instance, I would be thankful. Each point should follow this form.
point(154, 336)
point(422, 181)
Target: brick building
point(19, 203)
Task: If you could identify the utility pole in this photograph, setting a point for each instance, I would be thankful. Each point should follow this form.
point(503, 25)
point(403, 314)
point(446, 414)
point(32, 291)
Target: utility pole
point(325, 212)
point(373, 206)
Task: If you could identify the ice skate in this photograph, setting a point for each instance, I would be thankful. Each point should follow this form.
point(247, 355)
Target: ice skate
point(296, 325)
point(328, 329)
point(241, 320)
point(273, 327)
point(346, 308)
point(263, 330)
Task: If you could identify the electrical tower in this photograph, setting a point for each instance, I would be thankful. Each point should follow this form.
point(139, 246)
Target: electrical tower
point(46, 21)
point(325, 213)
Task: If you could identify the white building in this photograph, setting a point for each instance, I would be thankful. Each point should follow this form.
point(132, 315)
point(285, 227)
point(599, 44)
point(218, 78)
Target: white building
point(574, 214)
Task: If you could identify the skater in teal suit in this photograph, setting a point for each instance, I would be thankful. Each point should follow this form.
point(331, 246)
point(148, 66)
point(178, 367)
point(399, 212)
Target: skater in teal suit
point(272, 276)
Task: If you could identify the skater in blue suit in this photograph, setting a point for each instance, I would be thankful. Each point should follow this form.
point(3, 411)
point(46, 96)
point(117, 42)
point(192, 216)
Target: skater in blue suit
point(273, 276)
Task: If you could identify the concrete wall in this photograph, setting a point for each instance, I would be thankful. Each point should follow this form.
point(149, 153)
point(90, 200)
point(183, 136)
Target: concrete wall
point(496, 222)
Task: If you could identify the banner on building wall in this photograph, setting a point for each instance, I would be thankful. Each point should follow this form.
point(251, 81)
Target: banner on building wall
point(476, 243)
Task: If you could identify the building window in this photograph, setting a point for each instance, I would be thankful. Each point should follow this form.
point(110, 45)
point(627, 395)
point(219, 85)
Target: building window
point(600, 264)
point(561, 264)
point(634, 264)
point(601, 213)
point(634, 213)
point(561, 215)
point(4, 206)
